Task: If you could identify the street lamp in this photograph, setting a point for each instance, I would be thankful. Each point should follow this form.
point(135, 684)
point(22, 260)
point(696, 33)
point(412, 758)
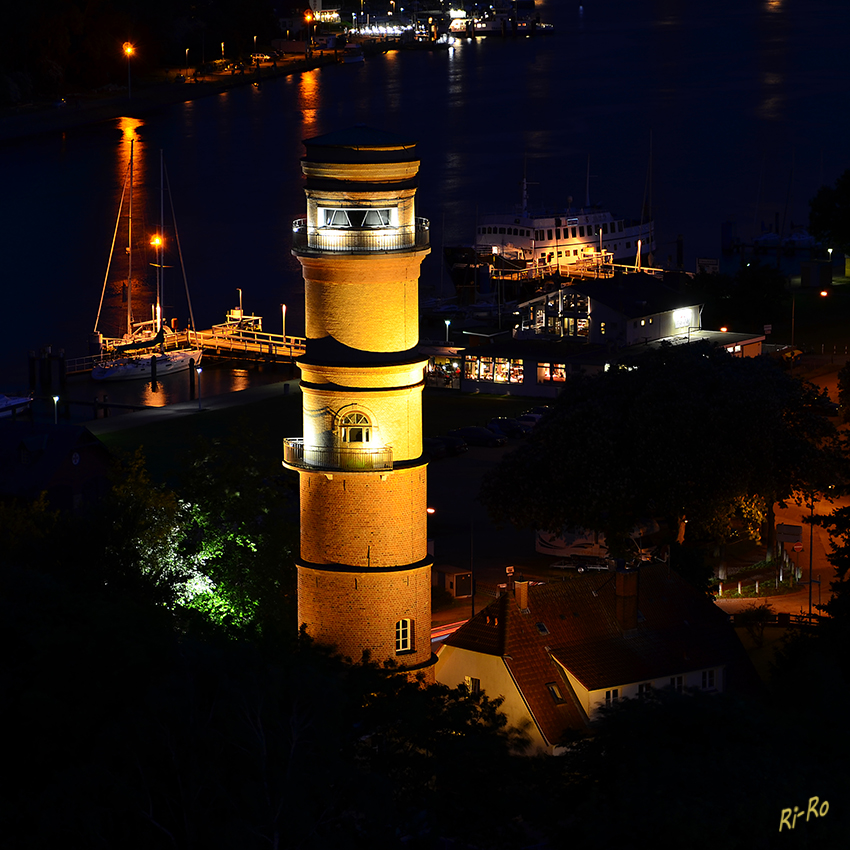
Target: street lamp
point(187, 61)
point(448, 322)
point(128, 50)
point(283, 322)
point(198, 369)
point(56, 417)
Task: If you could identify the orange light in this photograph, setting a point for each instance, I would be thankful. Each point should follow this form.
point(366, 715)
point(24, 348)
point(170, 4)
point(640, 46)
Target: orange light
point(824, 293)
point(308, 16)
point(723, 330)
point(128, 48)
point(156, 241)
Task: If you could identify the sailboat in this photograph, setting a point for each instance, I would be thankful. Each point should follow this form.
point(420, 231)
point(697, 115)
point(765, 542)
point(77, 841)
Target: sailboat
point(143, 353)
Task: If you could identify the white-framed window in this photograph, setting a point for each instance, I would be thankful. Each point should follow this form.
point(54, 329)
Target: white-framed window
point(472, 684)
point(644, 689)
point(708, 680)
point(355, 427)
point(554, 691)
point(677, 683)
point(612, 696)
point(404, 635)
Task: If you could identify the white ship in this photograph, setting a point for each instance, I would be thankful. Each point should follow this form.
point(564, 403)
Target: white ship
point(544, 242)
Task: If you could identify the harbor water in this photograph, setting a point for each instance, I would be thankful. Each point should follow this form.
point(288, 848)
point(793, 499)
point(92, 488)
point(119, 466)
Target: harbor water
point(710, 111)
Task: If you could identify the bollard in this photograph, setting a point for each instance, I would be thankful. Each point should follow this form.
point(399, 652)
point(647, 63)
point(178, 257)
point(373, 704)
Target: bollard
point(191, 378)
point(739, 588)
point(105, 405)
point(153, 369)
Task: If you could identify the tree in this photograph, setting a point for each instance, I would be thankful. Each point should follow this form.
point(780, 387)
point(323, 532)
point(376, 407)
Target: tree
point(243, 532)
point(829, 214)
point(682, 434)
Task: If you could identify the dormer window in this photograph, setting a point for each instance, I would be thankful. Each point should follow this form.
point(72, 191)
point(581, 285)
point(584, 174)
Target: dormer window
point(357, 219)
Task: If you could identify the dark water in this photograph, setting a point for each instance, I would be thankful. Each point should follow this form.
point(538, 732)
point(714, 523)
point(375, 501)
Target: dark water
point(742, 104)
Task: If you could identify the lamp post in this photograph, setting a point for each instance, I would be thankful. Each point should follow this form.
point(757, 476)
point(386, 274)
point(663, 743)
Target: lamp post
point(448, 323)
point(283, 322)
point(56, 422)
point(187, 62)
point(198, 369)
point(222, 50)
point(128, 51)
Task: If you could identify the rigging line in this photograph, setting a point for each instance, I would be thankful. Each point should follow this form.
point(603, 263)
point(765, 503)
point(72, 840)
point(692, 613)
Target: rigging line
point(112, 248)
point(179, 249)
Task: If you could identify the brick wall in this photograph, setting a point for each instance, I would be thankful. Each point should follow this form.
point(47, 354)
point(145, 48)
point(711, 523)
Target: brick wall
point(357, 611)
point(364, 519)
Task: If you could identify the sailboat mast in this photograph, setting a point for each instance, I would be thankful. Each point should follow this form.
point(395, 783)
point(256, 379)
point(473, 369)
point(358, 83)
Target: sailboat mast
point(130, 251)
point(160, 293)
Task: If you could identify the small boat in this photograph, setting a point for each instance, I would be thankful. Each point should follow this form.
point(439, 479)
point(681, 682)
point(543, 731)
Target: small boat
point(352, 54)
point(12, 405)
point(144, 350)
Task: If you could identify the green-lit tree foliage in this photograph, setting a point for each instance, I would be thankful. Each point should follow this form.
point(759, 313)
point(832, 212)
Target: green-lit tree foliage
point(243, 532)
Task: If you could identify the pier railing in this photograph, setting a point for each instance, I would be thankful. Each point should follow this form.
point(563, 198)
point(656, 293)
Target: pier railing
point(296, 454)
point(224, 339)
point(367, 240)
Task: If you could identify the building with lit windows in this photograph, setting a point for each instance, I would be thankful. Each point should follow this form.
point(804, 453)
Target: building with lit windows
point(364, 574)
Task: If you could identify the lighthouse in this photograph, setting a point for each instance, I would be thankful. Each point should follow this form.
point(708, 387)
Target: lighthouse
point(364, 574)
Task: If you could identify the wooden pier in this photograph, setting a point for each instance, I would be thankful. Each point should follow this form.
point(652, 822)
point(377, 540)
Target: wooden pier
point(221, 341)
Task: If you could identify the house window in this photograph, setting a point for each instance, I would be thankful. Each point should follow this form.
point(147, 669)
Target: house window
point(473, 685)
point(404, 636)
point(644, 689)
point(612, 696)
point(676, 683)
point(708, 680)
point(541, 627)
point(355, 428)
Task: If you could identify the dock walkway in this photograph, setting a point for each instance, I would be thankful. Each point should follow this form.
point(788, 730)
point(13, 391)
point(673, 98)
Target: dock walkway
point(224, 341)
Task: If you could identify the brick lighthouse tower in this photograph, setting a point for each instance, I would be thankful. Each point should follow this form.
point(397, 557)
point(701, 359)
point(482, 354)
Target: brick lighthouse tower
point(364, 575)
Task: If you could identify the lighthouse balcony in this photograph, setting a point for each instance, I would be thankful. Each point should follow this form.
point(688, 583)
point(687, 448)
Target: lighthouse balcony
point(349, 240)
point(299, 456)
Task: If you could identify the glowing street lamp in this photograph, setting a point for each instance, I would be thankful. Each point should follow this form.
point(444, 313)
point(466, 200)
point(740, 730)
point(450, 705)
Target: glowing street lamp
point(198, 369)
point(222, 50)
point(56, 410)
point(129, 50)
point(448, 323)
point(187, 61)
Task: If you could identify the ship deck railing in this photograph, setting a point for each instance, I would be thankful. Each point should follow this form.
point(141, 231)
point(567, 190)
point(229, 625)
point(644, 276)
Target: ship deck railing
point(359, 241)
point(301, 456)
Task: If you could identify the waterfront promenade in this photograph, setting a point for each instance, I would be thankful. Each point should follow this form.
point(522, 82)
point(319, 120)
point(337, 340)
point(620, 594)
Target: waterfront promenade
point(146, 95)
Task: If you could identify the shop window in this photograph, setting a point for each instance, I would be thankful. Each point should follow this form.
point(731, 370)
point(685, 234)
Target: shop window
point(485, 371)
point(544, 373)
point(559, 372)
point(516, 371)
point(470, 368)
point(502, 370)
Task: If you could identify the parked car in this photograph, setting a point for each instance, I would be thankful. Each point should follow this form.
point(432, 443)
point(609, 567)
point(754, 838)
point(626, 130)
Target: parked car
point(434, 448)
point(454, 445)
point(509, 427)
point(530, 419)
point(478, 436)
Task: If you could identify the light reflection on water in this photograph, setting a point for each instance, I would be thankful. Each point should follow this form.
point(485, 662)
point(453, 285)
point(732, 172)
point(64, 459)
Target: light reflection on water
point(216, 379)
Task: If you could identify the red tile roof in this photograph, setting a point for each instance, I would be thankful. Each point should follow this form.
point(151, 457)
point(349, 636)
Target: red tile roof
point(678, 631)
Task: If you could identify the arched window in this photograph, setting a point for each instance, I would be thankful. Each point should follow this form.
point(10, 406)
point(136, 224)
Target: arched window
point(404, 635)
point(355, 428)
